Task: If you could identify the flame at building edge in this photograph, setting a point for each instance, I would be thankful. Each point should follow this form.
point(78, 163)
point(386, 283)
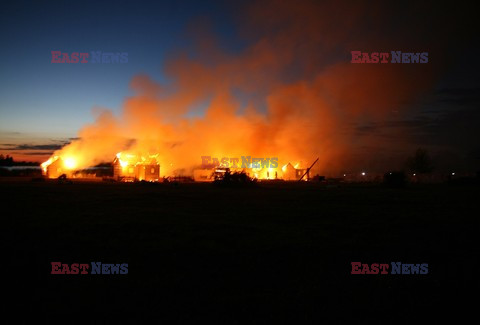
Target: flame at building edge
point(128, 166)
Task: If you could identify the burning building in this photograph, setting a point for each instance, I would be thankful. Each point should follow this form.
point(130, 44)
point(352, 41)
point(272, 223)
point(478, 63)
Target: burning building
point(57, 166)
point(130, 168)
point(293, 173)
point(288, 172)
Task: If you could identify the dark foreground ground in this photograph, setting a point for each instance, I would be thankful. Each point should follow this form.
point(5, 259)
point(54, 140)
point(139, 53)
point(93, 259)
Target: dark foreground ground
point(202, 254)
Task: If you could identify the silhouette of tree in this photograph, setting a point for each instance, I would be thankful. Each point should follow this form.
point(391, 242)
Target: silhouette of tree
point(420, 162)
point(6, 161)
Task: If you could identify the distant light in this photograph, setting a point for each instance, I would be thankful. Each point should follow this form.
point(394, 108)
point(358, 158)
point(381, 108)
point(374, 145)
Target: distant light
point(414, 174)
point(453, 174)
point(390, 173)
point(344, 175)
point(363, 173)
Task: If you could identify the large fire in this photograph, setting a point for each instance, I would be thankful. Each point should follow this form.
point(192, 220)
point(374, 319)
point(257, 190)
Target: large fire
point(137, 167)
point(287, 94)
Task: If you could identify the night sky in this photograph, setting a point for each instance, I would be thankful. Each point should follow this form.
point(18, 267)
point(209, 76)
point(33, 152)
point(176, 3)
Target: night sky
point(43, 100)
point(44, 105)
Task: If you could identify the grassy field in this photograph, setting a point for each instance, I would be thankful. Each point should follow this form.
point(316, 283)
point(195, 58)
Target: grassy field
point(273, 253)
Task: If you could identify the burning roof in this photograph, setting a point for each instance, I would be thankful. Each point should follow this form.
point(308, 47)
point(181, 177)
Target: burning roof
point(131, 167)
point(129, 159)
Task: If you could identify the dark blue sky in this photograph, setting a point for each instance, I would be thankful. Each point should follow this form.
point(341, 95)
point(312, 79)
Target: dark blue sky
point(55, 100)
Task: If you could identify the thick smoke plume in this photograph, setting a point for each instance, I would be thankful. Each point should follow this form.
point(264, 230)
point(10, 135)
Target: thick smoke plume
point(291, 93)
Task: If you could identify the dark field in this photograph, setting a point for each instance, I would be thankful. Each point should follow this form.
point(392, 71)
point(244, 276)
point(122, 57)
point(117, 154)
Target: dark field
point(270, 254)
